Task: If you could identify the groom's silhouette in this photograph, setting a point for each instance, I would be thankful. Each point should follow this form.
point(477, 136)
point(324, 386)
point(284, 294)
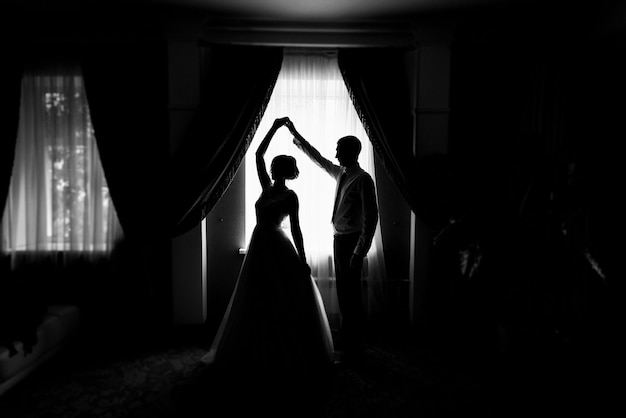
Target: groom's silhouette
point(355, 216)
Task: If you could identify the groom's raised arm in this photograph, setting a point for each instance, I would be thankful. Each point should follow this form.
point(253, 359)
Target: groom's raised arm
point(311, 152)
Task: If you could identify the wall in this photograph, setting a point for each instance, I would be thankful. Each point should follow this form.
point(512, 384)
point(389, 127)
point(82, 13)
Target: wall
point(225, 228)
point(532, 124)
point(431, 96)
point(188, 258)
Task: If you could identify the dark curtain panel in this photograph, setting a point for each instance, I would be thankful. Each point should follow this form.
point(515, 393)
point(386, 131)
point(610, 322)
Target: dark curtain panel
point(11, 73)
point(378, 84)
point(126, 85)
point(18, 319)
point(237, 82)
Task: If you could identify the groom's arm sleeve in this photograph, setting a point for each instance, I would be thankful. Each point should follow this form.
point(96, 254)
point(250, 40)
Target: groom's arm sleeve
point(311, 152)
point(370, 216)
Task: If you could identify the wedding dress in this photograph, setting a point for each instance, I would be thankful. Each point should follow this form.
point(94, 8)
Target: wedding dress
point(275, 321)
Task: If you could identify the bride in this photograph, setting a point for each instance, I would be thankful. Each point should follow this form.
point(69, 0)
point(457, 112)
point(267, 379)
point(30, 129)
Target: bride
point(275, 323)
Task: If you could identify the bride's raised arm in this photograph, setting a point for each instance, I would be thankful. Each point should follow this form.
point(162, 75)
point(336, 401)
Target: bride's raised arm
point(261, 169)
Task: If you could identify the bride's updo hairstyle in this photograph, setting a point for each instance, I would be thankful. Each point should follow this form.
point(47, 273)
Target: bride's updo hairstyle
point(284, 166)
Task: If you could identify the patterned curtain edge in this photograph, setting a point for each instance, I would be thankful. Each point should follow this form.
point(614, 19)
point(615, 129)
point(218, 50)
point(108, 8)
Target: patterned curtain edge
point(362, 104)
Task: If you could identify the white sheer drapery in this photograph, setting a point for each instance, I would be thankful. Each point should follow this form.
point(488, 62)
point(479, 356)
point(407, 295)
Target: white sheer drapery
point(58, 198)
point(311, 92)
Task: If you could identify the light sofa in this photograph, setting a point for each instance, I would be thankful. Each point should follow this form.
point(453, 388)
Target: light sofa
point(57, 330)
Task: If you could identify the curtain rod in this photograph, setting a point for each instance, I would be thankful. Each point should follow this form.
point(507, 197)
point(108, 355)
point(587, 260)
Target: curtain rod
point(317, 51)
point(307, 35)
point(260, 25)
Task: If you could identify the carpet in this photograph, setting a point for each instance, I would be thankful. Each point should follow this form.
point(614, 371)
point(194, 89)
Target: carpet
point(161, 381)
point(140, 377)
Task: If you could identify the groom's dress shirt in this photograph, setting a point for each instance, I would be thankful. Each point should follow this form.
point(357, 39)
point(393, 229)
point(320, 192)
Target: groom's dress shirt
point(356, 208)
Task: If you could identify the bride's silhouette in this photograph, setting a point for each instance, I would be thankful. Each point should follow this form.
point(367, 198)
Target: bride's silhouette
point(275, 325)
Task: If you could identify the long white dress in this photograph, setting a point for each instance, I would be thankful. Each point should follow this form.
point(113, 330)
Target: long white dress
point(275, 321)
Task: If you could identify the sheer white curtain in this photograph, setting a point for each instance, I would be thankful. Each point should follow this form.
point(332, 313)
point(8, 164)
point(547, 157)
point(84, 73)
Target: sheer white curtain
point(311, 92)
point(58, 198)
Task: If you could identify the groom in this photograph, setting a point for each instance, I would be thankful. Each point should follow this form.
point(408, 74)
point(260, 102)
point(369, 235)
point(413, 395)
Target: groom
point(355, 216)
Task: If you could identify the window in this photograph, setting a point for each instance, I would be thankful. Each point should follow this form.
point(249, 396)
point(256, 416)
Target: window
point(58, 198)
point(310, 90)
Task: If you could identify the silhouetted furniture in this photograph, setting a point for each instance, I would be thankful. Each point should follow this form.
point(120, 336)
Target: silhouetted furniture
point(56, 331)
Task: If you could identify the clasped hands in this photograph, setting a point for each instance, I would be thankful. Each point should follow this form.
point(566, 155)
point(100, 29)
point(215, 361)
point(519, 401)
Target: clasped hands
point(288, 123)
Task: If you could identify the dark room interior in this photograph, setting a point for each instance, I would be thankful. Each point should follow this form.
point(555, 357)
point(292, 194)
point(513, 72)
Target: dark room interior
point(495, 127)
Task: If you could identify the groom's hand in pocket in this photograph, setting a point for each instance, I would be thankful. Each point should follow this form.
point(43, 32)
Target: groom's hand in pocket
point(356, 261)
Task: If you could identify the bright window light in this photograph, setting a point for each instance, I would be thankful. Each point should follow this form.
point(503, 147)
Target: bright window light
point(58, 199)
point(310, 90)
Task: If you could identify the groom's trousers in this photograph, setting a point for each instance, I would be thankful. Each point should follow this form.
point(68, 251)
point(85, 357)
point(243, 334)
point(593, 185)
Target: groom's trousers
point(349, 293)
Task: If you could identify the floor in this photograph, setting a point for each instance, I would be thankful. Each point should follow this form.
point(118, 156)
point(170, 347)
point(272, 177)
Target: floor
point(401, 377)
